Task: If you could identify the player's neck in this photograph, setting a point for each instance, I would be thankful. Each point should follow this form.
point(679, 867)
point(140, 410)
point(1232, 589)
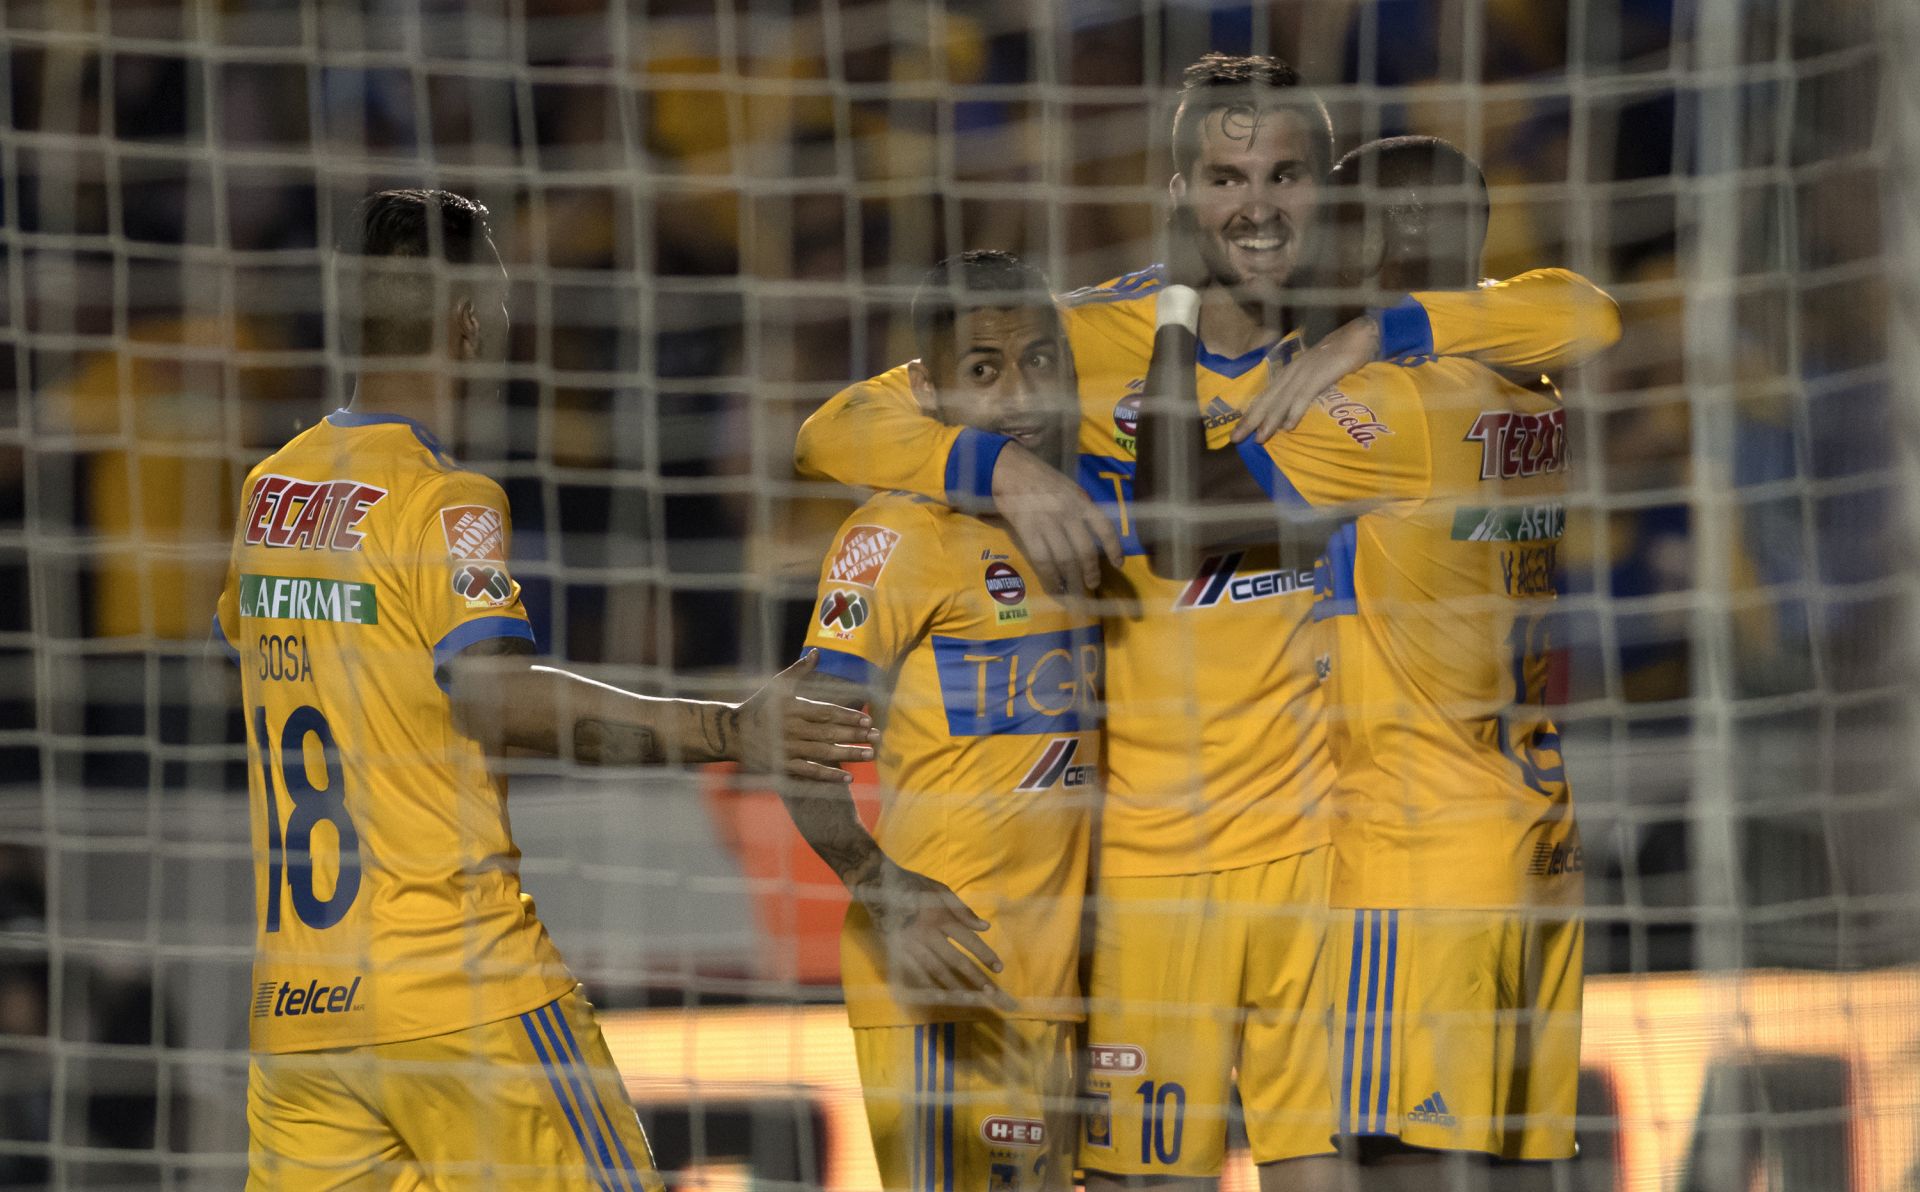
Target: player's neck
point(416, 394)
point(1230, 327)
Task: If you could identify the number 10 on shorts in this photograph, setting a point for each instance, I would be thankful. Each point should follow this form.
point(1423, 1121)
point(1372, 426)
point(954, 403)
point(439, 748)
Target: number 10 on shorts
point(1159, 1137)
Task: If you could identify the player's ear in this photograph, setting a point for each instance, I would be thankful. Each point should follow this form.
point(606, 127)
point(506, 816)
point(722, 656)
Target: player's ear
point(466, 330)
point(1177, 188)
point(921, 382)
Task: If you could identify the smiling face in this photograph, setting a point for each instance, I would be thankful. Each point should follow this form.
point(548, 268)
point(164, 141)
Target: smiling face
point(1251, 194)
point(1005, 370)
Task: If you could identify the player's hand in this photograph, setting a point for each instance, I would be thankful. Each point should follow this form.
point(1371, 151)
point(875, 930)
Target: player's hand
point(1307, 378)
point(935, 956)
point(1059, 527)
point(776, 731)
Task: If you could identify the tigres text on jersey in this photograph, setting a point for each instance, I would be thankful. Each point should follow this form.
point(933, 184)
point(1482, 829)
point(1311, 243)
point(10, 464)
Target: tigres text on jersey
point(987, 693)
point(1435, 598)
point(388, 895)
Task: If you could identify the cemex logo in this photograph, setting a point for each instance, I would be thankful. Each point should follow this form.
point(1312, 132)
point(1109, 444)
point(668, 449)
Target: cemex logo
point(1121, 1059)
point(1513, 444)
point(1216, 581)
point(1055, 765)
point(284, 999)
point(1014, 1131)
point(308, 514)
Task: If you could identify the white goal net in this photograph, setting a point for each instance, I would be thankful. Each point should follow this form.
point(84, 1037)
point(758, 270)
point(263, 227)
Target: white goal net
point(713, 214)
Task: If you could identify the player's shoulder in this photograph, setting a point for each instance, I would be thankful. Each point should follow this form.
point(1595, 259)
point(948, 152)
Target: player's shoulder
point(892, 386)
point(1123, 307)
point(905, 514)
point(885, 527)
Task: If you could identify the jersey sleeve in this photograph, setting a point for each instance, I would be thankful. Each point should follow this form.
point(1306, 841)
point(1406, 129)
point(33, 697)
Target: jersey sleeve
point(875, 435)
point(879, 588)
point(1546, 319)
point(1366, 442)
point(460, 589)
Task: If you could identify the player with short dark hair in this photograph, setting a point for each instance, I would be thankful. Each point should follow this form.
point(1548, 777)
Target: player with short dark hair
point(1206, 961)
point(412, 1024)
point(961, 953)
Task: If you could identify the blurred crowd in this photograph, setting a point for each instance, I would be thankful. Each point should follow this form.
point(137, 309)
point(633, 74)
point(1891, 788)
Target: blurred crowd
point(713, 214)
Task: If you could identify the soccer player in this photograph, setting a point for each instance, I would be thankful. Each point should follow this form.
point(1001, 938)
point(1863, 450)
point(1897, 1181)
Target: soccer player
point(961, 953)
point(1212, 871)
point(1456, 951)
point(412, 1023)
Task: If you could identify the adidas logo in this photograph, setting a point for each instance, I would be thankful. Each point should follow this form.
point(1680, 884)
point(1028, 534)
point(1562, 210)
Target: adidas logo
point(1219, 414)
point(1434, 1110)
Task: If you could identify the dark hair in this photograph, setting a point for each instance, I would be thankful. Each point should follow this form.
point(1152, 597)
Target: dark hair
point(1430, 200)
point(398, 237)
point(979, 278)
point(1256, 83)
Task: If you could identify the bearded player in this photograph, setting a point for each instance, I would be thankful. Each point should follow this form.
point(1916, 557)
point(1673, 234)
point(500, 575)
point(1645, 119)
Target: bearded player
point(961, 953)
point(412, 1024)
point(1213, 863)
point(1455, 953)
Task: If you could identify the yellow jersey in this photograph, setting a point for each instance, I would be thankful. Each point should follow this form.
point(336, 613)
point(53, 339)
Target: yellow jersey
point(1216, 747)
point(1435, 602)
point(386, 876)
point(987, 692)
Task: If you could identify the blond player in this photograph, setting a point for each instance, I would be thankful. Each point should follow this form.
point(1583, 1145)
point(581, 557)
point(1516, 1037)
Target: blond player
point(1213, 867)
point(412, 1024)
point(961, 953)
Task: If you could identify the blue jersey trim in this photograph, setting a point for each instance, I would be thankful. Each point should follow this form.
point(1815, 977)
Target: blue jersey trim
point(1333, 594)
point(970, 464)
point(467, 633)
point(1406, 333)
point(1231, 367)
point(1273, 481)
point(220, 636)
point(353, 418)
point(851, 667)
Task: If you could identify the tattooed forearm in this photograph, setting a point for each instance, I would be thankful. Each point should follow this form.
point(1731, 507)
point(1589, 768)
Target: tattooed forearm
point(719, 730)
point(610, 743)
point(825, 815)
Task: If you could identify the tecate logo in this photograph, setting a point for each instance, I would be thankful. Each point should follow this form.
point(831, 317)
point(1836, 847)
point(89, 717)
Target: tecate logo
point(1123, 1058)
point(1014, 1131)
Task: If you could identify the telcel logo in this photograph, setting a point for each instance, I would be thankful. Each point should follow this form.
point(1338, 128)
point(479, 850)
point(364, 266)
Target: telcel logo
point(1014, 1131)
point(294, 1001)
point(1122, 1058)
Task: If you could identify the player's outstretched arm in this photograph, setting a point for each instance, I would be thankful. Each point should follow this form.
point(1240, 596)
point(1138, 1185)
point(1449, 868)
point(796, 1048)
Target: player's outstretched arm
point(1545, 320)
point(504, 702)
point(875, 435)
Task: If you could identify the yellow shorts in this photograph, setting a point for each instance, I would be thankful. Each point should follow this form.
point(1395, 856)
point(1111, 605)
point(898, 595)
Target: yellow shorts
point(974, 1106)
point(1458, 1030)
point(531, 1102)
point(1192, 977)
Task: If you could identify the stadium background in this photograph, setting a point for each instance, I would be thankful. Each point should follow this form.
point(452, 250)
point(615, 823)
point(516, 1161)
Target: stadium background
point(712, 214)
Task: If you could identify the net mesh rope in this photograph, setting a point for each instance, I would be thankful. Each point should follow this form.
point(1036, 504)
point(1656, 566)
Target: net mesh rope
point(713, 216)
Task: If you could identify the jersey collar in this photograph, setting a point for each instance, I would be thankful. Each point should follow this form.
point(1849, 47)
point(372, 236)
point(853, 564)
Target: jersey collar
point(352, 418)
point(1238, 366)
